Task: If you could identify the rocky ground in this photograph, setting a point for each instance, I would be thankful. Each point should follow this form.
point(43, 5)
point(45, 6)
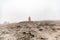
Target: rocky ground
point(30, 30)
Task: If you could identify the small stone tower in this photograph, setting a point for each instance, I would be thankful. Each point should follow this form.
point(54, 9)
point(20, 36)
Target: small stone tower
point(29, 19)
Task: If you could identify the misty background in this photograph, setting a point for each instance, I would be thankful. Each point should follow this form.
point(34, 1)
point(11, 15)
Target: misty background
point(20, 10)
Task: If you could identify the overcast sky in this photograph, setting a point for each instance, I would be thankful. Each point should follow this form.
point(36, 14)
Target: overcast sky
point(20, 10)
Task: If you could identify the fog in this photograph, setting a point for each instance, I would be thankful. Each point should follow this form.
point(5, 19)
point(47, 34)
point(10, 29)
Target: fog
point(20, 10)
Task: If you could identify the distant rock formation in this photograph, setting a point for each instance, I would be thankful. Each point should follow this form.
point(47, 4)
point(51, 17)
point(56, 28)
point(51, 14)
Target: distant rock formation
point(29, 18)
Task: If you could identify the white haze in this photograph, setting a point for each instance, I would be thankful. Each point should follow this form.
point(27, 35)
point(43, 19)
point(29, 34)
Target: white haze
point(20, 10)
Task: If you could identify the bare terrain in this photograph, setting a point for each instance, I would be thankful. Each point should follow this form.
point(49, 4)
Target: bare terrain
point(31, 30)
